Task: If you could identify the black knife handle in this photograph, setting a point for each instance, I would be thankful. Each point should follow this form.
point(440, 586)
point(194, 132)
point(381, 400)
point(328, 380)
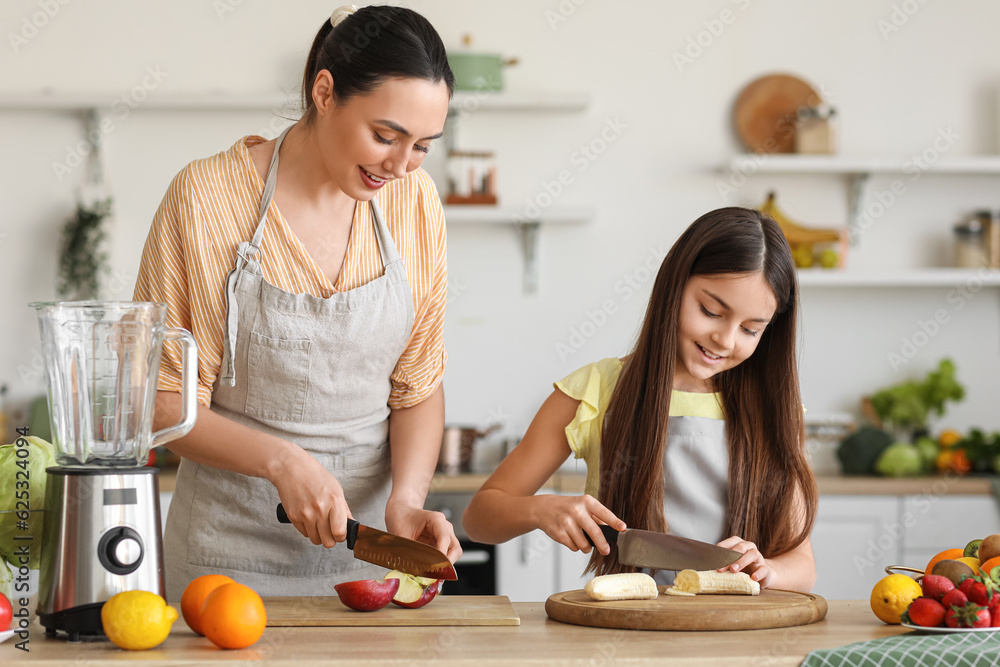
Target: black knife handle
point(610, 534)
point(352, 526)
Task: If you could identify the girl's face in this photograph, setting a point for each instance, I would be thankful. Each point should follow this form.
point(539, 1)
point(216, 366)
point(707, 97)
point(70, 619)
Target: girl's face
point(376, 137)
point(722, 320)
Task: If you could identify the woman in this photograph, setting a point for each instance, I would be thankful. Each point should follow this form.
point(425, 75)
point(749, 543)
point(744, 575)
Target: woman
point(311, 271)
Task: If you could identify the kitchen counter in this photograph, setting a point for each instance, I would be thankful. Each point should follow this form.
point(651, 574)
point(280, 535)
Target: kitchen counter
point(538, 640)
point(832, 485)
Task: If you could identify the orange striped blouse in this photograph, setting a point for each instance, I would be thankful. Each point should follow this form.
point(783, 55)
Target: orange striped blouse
point(211, 206)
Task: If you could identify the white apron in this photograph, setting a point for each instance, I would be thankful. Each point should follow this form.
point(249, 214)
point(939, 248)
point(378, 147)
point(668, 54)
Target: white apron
point(315, 372)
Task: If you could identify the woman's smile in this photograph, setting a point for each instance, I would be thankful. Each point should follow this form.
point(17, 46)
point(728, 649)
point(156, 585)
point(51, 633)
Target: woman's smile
point(371, 180)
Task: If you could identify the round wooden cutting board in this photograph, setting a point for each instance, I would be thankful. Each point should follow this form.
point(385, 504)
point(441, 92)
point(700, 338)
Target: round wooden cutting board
point(765, 110)
point(770, 609)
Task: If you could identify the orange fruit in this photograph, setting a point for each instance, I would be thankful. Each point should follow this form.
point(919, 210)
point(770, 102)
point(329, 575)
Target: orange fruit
point(949, 438)
point(233, 616)
point(947, 554)
point(194, 597)
point(987, 567)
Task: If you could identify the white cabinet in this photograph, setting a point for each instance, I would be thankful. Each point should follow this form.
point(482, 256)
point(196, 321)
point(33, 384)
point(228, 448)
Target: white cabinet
point(853, 540)
point(856, 537)
point(526, 567)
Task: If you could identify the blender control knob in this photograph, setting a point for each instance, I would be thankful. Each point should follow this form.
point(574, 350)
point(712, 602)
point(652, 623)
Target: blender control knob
point(120, 550)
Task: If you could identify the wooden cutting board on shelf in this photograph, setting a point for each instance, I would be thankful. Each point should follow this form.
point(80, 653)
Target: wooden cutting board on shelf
point(764, 112)
point(442, 610)
point(770, 609)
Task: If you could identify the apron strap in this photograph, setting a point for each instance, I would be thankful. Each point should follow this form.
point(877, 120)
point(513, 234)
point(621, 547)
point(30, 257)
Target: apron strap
point(386, 248)
point(245, 253)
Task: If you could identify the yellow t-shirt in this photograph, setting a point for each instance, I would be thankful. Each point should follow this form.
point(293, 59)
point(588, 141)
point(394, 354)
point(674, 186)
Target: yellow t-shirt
point(593, 385)
point(212, 205)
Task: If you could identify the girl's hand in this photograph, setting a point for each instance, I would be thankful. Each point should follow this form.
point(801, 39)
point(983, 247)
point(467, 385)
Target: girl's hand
point(752, 561)
point(425, 526)
point(312, 497)
point(569, 519)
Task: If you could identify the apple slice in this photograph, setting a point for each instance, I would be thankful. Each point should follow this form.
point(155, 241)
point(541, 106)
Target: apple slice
point(414, 592)
point(367, 594)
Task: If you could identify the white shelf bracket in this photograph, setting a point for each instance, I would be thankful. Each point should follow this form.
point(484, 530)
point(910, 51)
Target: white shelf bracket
point(529, 248)
point(856, 194)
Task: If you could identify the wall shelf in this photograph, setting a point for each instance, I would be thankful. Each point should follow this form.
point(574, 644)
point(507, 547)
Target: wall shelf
point(527, 228)
point(943, 277)
point(518, 101)
point(159, 102)
point(859, 170)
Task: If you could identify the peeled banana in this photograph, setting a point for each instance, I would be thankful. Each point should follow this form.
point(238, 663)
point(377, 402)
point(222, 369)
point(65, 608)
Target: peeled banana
point(625, 586)
point(711, 582)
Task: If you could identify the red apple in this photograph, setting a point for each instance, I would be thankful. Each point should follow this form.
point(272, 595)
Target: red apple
point(414, 591)
point(367, 594)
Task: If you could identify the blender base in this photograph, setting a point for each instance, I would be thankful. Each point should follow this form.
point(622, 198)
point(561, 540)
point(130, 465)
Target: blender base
point(82, 620)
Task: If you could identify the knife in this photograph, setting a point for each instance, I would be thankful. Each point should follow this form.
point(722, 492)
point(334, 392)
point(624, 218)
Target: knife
point(392, 551)
point(660, 551)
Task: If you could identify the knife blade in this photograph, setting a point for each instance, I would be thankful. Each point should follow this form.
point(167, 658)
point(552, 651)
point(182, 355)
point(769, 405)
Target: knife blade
point(392, 551)
point(660, 551)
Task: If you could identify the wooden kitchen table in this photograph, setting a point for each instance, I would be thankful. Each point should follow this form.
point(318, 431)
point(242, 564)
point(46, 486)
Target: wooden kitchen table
point(537, 640)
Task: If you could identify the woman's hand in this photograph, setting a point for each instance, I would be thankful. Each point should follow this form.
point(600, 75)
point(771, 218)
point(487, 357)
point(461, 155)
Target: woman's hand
point(569, 519)
point(425, 526)
point(312, 497)
point(752, 561)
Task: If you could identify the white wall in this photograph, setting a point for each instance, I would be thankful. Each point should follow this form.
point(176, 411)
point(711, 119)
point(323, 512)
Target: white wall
point(895, 91)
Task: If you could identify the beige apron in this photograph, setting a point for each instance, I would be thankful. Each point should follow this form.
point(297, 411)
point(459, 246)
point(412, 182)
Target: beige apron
point(315, 372)
point(696, 475)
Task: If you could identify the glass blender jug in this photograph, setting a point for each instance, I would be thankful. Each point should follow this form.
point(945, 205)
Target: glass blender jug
point(103, 535)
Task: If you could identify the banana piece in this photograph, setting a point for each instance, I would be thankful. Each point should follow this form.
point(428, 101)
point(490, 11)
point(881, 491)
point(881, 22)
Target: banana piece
point(714, 583)
point(625, 586)
point(796, 233)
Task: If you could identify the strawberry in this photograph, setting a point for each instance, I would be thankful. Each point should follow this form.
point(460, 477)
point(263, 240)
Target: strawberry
point(935, 586)
point(966, 586)
point(954, 598)
point(975, 591)
point(996, 619)
point(926, 612)
point(969, 616)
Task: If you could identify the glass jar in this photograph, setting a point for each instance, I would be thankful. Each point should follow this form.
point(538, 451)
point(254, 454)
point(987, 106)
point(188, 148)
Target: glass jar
point(970, 248)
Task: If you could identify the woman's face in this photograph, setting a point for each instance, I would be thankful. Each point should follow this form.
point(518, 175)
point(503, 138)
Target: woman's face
point(376, 137)
point(722, 320)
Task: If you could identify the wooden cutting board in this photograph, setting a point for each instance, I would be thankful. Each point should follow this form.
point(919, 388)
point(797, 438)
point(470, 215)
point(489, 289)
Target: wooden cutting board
point(770, 609)
point(442, 610)
point(765, 110)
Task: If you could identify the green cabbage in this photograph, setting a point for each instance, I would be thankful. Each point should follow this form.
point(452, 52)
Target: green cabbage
point(899, 460)
point(13, 468)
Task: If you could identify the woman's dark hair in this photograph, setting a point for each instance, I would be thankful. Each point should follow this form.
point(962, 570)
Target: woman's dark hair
point(371, 45)
point(771, 492)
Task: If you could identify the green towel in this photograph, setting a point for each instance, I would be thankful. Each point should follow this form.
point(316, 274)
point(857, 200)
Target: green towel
point(914, 649)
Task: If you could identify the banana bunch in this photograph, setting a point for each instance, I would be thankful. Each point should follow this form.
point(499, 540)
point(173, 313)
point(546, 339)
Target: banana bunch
point(802, 240)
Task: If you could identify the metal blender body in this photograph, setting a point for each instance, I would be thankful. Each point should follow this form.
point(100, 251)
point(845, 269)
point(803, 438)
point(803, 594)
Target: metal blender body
point(102, 533)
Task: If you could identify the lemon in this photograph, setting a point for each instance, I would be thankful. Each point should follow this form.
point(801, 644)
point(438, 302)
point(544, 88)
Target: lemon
point(892, 595)
point(971, 562)
point(137, 620)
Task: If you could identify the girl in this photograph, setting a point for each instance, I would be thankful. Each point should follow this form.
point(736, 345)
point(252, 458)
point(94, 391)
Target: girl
point(311, 271)
point(698, 430)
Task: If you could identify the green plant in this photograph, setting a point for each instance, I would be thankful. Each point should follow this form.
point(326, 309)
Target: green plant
point(910, 404)
point(82, 259)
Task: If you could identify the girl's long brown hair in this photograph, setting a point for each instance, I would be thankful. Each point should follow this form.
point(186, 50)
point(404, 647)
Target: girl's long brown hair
point(768, 470)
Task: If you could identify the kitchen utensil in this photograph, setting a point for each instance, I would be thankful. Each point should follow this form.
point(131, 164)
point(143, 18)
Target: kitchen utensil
point(765, 112)
point(770, 609)
point(478, 71)
point(660, 551)
point(322, 611)
point(392, 551)
point(457, 444)
point(102, 533)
